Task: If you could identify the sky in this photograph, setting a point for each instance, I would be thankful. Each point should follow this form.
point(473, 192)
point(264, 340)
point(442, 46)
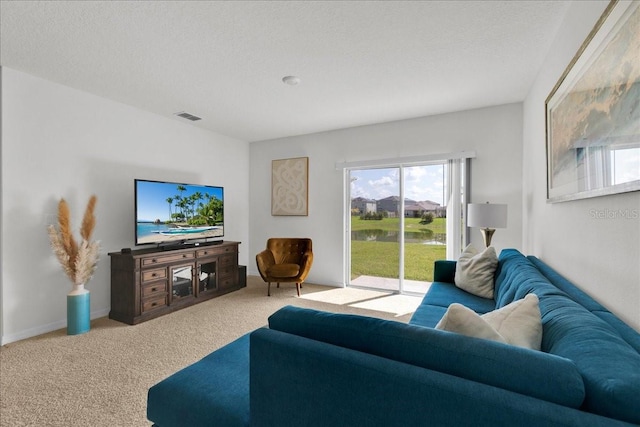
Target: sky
point(420, 183)
point(151, 202)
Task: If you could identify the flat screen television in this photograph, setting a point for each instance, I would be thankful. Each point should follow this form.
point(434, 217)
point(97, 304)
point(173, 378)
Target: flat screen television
point(177, 214)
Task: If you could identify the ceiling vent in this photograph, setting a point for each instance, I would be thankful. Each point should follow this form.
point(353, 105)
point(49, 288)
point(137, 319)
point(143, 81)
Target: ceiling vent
point(188, 116)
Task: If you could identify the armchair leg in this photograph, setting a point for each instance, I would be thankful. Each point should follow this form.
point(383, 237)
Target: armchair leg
point(298, 286)
point(269, 289)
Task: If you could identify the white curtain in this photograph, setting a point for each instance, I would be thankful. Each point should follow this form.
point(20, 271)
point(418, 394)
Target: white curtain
point(454, 208)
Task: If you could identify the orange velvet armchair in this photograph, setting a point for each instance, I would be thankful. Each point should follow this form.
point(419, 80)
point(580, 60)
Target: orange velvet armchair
point(285, 260)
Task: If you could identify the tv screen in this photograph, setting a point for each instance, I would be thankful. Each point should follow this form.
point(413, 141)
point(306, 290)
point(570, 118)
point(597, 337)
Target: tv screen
point(170, 212)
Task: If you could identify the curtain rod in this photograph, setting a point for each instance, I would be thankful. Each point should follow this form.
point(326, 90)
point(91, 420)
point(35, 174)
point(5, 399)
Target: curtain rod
point(406, 160)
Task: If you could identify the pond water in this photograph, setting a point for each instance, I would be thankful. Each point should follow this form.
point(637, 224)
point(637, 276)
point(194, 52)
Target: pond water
point(426, 237)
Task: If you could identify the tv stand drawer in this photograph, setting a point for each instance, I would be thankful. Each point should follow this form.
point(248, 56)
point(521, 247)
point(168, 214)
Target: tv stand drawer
point(155, 274)
point(154, 288)
point(216, 250)
point(154, 303)
point(166, 259)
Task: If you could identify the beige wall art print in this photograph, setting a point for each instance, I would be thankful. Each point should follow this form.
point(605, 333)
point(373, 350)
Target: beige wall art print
point(593, 119)
point(290, 187)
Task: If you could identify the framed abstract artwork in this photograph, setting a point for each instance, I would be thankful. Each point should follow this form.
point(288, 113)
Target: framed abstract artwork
point(593, 112)
point(290, 187)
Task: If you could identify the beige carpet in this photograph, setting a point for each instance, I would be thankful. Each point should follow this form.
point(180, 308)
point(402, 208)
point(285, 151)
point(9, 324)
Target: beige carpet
point(101, 378)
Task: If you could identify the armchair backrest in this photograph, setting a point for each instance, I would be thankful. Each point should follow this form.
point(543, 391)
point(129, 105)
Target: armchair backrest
point(288, 250)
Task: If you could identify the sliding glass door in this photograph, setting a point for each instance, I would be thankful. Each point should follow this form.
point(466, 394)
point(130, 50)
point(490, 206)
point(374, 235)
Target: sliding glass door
point(375, 219)
point(398, 224)
point(425, 224)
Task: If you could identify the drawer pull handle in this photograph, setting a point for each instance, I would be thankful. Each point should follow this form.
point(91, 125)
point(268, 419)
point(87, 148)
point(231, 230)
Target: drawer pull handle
point(153, 304)
point(153, 274)
point(154, 260)
point(184, 255)
point(154, 289)
point(205, 252)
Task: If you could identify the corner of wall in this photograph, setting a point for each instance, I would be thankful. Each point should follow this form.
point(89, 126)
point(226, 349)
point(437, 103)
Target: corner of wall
point(1, 216)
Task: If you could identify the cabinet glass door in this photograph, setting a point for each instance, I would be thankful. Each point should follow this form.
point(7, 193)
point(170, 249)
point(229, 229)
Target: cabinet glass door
point(207, 276)
point(181, 281)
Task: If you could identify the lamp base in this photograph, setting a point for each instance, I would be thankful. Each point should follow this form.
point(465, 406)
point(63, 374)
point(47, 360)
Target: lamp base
point(487, 234)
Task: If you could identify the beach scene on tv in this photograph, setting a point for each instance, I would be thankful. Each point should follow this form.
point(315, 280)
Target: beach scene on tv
point(167, 212)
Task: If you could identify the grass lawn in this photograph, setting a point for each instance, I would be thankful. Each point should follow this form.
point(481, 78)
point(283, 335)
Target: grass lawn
point(381, 259)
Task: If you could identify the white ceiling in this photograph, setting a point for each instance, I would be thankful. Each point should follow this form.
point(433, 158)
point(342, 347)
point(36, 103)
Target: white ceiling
point(359, 62)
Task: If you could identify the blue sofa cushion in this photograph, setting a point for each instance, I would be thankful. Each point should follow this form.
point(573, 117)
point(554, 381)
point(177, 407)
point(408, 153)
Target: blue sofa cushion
point(546, 377)
point(517, 277)
point(609, 366)
point(444, 294)
point(427, 315)
point(212, 391)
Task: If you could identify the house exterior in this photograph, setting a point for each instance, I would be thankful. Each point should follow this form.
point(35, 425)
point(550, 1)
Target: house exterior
point(417, 209)
point(361, 205)
point(390, 205)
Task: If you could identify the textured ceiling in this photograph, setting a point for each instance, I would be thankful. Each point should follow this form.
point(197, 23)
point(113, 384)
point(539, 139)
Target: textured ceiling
point(359, 62)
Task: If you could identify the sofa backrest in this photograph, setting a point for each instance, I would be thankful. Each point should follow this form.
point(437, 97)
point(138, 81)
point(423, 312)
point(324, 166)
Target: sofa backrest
point(626, 332)
point(289, 250)
point(547, 377)
point(609, 366)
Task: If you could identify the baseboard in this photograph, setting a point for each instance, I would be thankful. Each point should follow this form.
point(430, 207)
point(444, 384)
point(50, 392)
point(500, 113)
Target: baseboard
point(43, 329)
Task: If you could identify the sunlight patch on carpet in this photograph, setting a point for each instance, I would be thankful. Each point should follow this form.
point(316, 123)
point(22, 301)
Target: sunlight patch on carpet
point(345, 296)
point(395, 304)
point(368, 299)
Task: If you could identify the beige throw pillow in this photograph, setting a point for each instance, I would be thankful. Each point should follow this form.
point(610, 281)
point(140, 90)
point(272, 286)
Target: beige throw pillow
point(518, 323)
point(463, 320)
point(475, 271)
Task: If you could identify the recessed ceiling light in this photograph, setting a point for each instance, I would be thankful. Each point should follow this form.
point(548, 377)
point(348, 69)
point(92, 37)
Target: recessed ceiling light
point(291, 80)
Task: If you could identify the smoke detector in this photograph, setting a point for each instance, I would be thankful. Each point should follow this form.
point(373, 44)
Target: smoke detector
point(291, 80)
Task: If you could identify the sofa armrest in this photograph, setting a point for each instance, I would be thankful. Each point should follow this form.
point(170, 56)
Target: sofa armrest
point(444, 271)
point(305, 265)
point(296, 381)
point(264, 260)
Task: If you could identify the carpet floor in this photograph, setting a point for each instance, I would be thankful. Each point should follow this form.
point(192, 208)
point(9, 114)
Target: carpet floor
point(101, 378)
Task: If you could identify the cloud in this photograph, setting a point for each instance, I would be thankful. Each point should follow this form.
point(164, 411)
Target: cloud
point(421, 183)
point(359, 191)
point(385, 181)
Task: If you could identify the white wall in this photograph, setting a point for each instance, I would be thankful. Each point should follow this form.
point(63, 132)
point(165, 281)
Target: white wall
point(60, 142)
point(495, 133)
point(602, 256)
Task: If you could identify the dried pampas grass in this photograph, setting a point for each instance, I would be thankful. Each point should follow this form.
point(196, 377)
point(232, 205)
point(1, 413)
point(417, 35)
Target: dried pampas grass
point(78, 261)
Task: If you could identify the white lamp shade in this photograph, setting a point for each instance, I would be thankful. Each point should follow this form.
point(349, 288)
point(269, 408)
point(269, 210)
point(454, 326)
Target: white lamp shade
point(486, 215)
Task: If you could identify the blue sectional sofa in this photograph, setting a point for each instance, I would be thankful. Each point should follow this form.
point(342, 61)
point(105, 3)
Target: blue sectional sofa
point(313, 368)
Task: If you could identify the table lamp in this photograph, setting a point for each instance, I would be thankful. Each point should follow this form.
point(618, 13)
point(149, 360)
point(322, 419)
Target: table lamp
point(487, 216)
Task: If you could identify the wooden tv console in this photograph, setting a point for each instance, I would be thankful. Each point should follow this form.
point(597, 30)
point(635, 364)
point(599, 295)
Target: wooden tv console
point(148, 283)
